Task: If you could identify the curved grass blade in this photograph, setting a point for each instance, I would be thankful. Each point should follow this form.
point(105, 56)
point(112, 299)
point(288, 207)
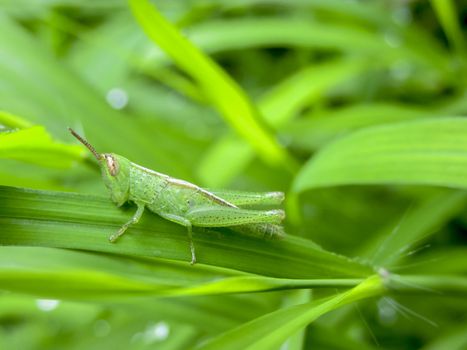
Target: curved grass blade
point(239, 34)
point(423, 152)
point(313, 131)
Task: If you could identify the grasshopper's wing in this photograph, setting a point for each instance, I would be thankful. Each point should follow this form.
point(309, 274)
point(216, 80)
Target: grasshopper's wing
point(241, 198)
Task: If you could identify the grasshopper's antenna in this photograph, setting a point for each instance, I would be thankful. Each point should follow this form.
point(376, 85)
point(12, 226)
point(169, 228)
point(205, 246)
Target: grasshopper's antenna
point(86, 143)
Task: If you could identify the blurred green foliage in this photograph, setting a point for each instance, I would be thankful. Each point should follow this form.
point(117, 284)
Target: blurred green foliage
point(354, 108)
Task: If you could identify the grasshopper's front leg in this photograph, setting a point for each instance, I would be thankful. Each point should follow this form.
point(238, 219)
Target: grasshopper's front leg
point(132, 221)
point(184, 222)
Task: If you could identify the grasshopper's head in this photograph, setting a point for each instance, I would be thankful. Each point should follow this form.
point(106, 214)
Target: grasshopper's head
point(115, 172)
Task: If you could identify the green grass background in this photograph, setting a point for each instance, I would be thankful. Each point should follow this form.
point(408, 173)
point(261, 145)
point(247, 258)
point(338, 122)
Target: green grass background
point(355, 109)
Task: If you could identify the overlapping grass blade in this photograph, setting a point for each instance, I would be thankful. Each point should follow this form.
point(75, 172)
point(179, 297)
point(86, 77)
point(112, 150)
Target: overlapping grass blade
point(31, 73)
point(215, 36)
point(66, 274)
point(228, 98)
point(283, 102)
point(447, 14)
point(285, 322)
point(414, 227)
point(34, 145)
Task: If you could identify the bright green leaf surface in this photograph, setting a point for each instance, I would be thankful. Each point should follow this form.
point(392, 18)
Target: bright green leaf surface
point(428, 152)
point(34, 145)
point(12, 121)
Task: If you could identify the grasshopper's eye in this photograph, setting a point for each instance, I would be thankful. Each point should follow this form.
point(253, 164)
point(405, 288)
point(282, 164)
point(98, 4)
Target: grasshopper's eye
point(112, 165)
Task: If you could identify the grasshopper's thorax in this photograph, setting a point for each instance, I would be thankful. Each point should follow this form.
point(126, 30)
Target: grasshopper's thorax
point(116, 175)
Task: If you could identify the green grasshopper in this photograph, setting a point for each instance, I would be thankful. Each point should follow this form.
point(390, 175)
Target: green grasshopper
point(183, 202)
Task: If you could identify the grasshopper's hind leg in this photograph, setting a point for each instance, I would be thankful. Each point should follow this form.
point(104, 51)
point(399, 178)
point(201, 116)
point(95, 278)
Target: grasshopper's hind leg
point(217, 216)
point(184, 222)
point(132, 221)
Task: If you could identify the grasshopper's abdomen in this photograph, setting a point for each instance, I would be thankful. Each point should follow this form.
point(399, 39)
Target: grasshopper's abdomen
point(270, 231)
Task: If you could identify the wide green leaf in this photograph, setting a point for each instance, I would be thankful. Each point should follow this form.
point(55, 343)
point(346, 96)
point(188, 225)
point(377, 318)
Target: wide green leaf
point(424, 152)
point(65, 220)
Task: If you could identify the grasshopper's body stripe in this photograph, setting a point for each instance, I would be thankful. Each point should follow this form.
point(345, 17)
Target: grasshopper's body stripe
point(202, 191)
point(240, 198)
point(185, 203)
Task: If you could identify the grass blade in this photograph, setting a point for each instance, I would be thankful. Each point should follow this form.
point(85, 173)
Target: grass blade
point(67, 274)
point(313, 131)
point(446, 12)
point(13, 121)
point(416, 225)
point(425, 152)
point(65, 220)
point(34, 145)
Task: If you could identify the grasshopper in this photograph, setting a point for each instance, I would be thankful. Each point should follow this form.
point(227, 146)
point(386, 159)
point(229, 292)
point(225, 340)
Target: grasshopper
point(183, 202)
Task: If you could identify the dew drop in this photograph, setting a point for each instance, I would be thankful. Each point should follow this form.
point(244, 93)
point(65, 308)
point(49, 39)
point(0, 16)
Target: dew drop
point(386, 313)
point(156, 332)
point(402, 15)
point(392, 40)
point(47, 305)
point(101, 328)
point(117, 98)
